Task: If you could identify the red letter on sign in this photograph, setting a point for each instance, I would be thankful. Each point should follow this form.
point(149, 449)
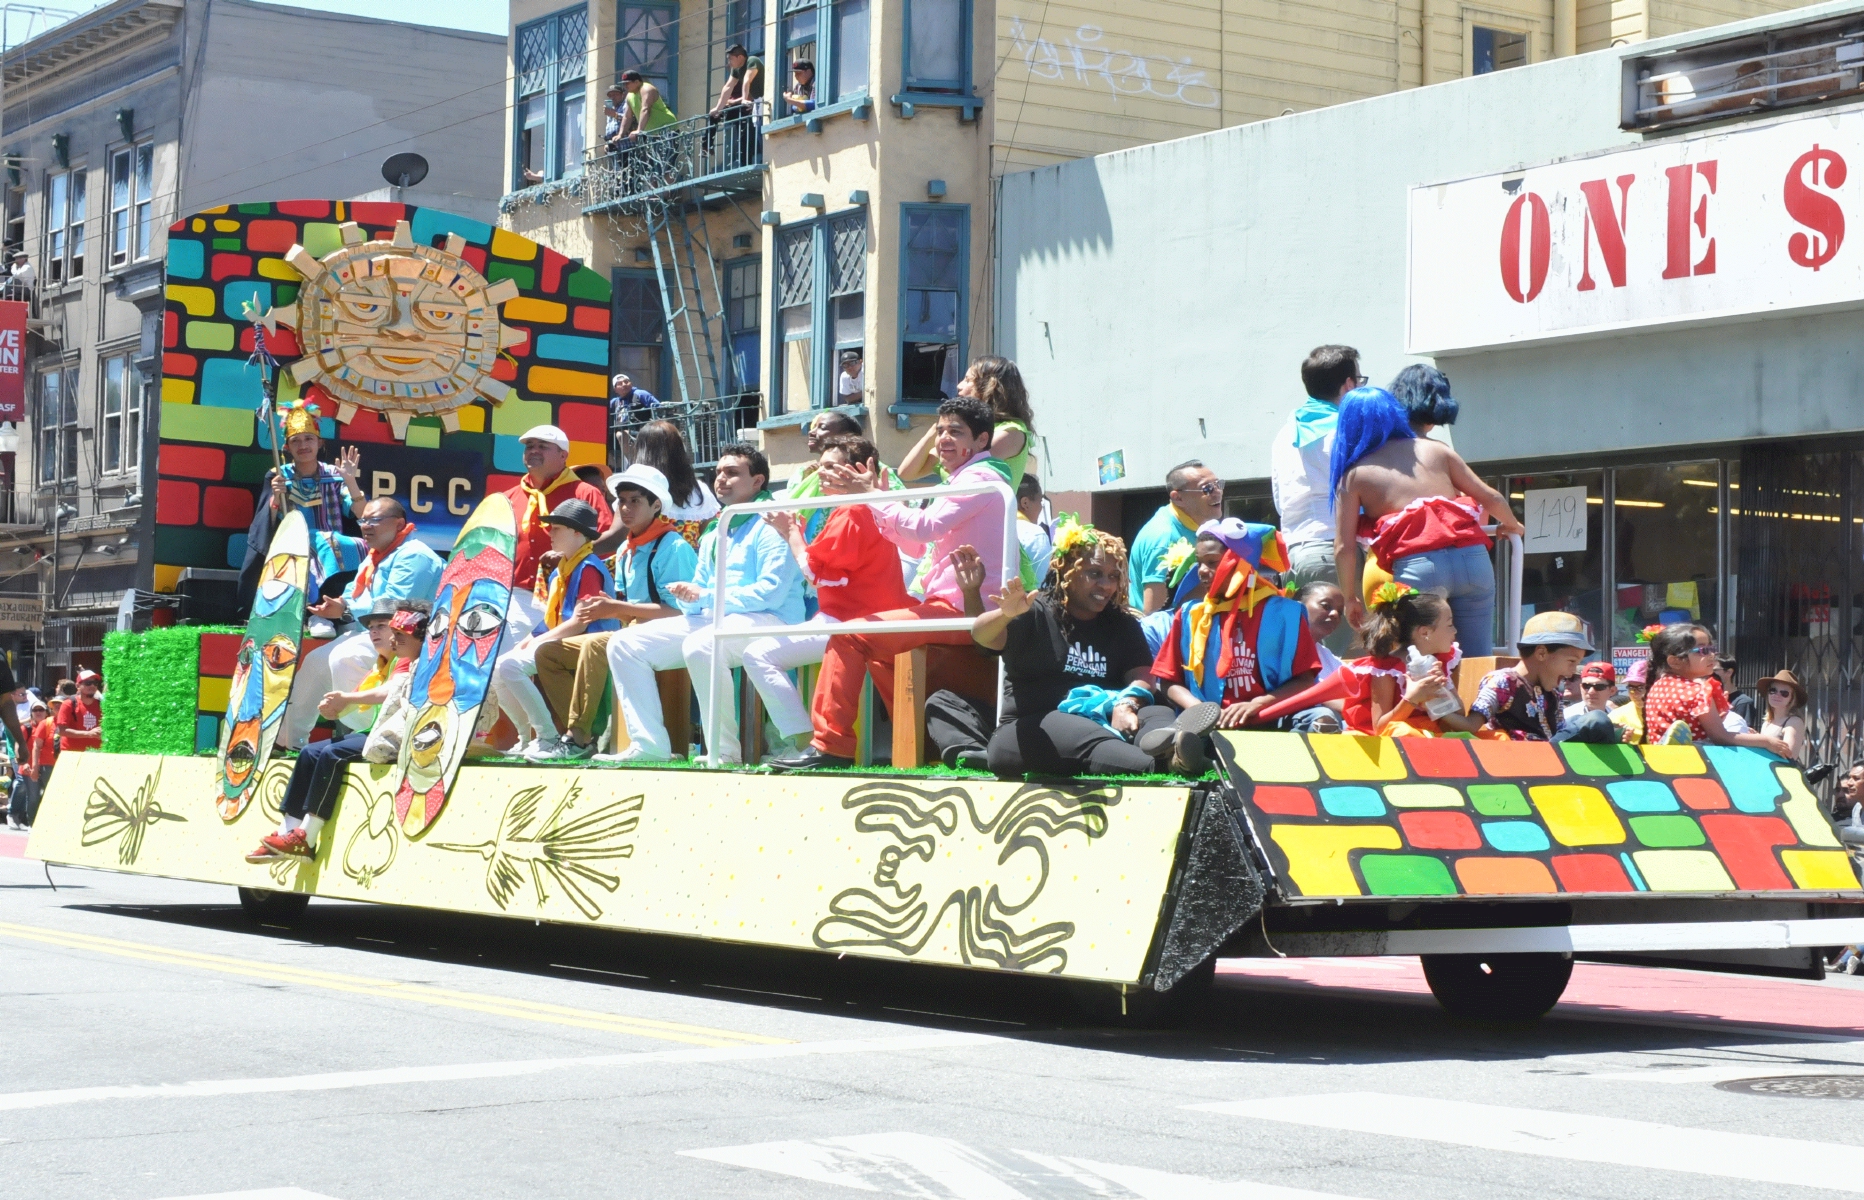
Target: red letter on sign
point(1610, 228)
point(1682, 188)
point(1814, 209)
point(1530, 210)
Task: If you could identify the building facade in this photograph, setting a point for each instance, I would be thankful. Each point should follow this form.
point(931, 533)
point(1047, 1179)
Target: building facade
point(1631, 264)
point(118, 123)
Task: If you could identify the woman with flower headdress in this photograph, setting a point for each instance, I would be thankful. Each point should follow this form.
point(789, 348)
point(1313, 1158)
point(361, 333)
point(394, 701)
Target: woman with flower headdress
point(1245, 645)
point(1077, 695)
point(1387, 700)
point(324, 493)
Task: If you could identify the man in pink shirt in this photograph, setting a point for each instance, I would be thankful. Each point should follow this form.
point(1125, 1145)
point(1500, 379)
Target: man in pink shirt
point(965, 426)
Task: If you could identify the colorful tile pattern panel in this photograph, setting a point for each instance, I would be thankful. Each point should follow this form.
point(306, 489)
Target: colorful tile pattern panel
point(214, 449)
point(1344, 817)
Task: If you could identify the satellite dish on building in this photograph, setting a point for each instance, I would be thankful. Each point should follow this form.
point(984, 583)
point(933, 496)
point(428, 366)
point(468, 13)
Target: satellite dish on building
point(404, 170)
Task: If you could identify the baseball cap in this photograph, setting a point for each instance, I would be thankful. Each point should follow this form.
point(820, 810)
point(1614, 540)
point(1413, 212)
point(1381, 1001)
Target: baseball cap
point(1639, 672)
point(579, 515)
point(89, 677)
point(644, 478)
point(1555, 629)
point(547, 433)
point(1599, 670)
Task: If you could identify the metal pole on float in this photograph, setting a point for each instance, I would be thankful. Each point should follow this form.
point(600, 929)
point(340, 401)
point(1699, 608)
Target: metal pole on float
point(1010, 569)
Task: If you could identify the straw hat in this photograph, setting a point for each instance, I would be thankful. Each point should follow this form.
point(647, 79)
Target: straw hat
point(1789, 679)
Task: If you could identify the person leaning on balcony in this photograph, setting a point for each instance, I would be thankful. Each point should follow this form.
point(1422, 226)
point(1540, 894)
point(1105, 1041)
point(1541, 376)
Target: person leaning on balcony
point(396, 565)
point(744, 85)
point(762, 587)
point(643, 109)
point(573, 672)
point(964, 427)
point(614, 112)
point(21, 273)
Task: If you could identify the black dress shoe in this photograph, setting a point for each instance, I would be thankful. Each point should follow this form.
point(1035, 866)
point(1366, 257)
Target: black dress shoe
point(808, 759)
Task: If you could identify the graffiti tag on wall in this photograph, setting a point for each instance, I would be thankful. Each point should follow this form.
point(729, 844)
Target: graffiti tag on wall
point(1086, 59)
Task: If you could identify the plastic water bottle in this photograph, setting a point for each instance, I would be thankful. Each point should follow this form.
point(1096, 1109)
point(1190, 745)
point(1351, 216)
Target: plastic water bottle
point(1445, 702)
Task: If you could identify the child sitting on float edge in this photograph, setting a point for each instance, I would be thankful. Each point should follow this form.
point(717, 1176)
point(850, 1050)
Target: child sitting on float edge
point(579, 575)
point(1523, 701)
point(396, 628)
point(1683, 692)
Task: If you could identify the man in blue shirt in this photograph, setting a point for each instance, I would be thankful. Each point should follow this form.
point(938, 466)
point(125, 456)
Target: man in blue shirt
point(763, 587)
point(396, 565)
point(1196, 496)
point(628, 407)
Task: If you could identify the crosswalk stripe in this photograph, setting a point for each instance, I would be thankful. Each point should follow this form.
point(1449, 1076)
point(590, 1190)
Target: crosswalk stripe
point(917, 1164)
point(450, 1072)
point(1573, 1136)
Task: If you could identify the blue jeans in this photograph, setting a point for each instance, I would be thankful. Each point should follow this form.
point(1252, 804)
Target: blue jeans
point(1466, 575)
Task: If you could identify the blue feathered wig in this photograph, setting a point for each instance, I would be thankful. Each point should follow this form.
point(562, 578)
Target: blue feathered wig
point(1369, 417)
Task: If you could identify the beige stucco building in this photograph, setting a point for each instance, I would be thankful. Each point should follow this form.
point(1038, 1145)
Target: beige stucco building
point(748, 262)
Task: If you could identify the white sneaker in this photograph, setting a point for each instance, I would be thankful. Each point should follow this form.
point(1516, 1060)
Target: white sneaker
point(558, 749)
point(635, 753)
point(320, 627)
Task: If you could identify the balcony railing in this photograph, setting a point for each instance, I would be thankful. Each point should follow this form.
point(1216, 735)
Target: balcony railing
point(724, 152)
point(706, 425)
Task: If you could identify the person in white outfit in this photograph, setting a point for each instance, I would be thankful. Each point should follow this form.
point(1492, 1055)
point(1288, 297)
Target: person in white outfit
point(763, 586)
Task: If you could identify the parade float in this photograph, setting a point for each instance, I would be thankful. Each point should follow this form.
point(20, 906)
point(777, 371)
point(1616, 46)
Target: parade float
point(432, 341)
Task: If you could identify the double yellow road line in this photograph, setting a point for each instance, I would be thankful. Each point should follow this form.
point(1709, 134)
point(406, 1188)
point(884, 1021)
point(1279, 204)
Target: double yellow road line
point(393, 989)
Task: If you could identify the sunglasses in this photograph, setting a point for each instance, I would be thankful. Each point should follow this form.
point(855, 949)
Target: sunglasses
point(1780, 691)
point(1599, 687)
point(1705, 651)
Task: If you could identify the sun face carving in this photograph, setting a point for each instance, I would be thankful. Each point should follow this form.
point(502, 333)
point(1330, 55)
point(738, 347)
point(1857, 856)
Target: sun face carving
point(404, 329)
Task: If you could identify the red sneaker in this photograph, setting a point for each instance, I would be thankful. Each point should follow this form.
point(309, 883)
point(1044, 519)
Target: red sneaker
point(262, 855)
point(291, 845)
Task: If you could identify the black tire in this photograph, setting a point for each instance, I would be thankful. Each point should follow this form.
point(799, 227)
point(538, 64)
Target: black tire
point(1498, 987)
point(273, 908)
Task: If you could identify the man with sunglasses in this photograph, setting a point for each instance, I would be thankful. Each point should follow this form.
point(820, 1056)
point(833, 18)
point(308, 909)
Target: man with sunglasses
point(1195, 496)
point(1298, 470)
point(396, 565)
point(1598, 684)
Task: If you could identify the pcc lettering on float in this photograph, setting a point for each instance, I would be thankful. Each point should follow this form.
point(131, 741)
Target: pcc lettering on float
point(439, 488)
point(1737, 225)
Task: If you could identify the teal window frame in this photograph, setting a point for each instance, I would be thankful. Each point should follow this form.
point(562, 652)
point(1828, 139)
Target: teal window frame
point(640, 277)
point(830, 91)
point(960, 86)
point(824, 345)
point(669, 82)
point(962, 344)
point(555, 87)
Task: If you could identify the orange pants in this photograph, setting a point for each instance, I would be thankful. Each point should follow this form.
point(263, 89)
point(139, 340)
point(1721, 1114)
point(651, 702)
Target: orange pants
point(852, 657)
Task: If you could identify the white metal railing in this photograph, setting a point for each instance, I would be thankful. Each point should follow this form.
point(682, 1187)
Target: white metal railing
point(1513, 610)
point(1012, 567)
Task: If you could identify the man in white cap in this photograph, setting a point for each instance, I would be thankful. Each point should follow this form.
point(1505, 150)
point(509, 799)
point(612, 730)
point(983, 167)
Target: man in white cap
point(547, 482)
point(573, 672)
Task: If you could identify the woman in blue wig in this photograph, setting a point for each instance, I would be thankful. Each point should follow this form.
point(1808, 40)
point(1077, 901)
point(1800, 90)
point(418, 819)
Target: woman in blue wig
point(1418, 507)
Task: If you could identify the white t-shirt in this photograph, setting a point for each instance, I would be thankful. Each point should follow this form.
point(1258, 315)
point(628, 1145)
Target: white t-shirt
point(1298, 477)
point(703, 509)
point(851, 385)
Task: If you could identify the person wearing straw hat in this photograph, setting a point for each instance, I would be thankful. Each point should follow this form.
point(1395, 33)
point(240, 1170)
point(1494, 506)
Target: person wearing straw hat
point(579, 575)
point(1784, 698)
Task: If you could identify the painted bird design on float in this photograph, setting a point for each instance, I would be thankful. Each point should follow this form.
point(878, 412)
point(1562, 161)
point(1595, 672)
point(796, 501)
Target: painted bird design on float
point(268, 661)
point(454, 670)
point(561, 848)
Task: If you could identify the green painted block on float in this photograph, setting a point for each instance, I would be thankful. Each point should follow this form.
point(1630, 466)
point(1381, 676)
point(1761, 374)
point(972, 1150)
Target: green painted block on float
point(1406, 875)
point(585, 284)
point(1667, 832)
point(524, 277)
point(209, 335)
point(321, 237)
point(1584, 758)
point(1499, 800)
point(515, 416)
point(425, 433)
point(204, 423)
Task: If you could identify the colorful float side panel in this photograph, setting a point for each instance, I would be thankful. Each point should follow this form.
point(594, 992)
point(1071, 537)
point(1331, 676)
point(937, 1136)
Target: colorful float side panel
point(264, 667)
point(1044, 878)
point(1345, 816)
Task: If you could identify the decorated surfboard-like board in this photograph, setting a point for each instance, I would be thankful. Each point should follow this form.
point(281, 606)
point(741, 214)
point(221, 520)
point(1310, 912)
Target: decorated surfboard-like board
point(455, 668)
point(268, 660)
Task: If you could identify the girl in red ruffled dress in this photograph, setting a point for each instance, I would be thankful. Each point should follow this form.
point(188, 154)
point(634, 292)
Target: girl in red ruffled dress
point(1386, 701)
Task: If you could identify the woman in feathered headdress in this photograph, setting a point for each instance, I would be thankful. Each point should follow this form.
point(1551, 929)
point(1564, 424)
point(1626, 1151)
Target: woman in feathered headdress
point(324, 493)
point(1245, 645)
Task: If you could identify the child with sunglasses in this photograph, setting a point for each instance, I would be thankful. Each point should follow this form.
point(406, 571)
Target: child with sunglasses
point(1684, 691)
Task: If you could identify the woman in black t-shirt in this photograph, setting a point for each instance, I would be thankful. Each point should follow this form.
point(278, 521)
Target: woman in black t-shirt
point(1077, 631)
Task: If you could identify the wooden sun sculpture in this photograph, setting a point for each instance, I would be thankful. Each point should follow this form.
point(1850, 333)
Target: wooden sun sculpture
point(404, 329)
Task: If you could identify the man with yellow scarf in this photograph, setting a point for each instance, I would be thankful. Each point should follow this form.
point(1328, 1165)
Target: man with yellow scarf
point(547, 482)
point(580, 575)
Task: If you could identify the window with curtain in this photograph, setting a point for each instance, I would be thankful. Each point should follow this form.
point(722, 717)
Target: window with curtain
point(64, 225)
point(796, 293)
point(933, 273)
point(122, 414)
point(132, 195)
point(552, 68)
point(851, 48)
point(938, 48)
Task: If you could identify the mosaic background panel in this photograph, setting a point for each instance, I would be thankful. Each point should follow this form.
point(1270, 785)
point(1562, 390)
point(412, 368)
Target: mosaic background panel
point(1343, 816)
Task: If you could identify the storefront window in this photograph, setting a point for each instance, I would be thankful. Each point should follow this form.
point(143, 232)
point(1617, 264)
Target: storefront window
point(1665, 535)
point(1563, 568)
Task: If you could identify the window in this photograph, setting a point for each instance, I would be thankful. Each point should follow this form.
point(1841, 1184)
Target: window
point(58, 426)
point(1496, 50)
point(132, 193)
point(796, 291)
point(847, 305)
point(934, 274)
point(851, 45)
point(746, 21)
point(640, 330)
point(122, 414)
point(833, 36)
point(744, 320)
point(801, 25)
point(552, 68)
point(646, 40)
point(938, 46)
point(1751, 75)
point(64, 226)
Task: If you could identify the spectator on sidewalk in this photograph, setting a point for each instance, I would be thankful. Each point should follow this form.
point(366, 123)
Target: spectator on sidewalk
point(1741, 703)
point(1194, 495)
point(80, 718)
point(1598, 684)
point(1785, 699)
point(1424, 507)
point(1032, 532)
point(1298, 464)
point(24, 800)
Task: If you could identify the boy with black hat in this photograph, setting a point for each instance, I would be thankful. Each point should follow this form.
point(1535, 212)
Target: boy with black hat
point(579, 575)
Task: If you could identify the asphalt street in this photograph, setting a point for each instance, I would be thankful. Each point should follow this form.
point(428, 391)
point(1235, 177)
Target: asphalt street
point(157, 1044)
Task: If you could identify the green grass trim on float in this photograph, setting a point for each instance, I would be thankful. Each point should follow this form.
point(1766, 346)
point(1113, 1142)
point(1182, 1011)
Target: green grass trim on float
point(152, 689)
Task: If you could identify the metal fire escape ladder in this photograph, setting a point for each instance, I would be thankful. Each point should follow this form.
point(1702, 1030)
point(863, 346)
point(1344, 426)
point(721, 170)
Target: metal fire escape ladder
point(678, 255)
